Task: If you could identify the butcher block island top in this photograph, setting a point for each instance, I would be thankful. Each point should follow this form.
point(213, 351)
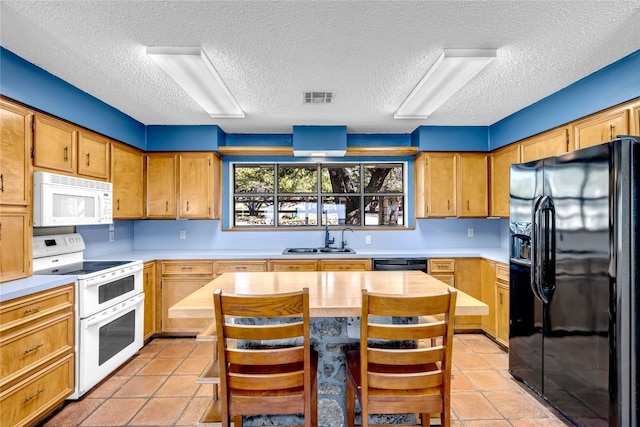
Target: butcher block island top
point(331, 293)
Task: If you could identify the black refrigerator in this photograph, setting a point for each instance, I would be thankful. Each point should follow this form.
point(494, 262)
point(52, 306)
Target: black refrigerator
point(574, 281)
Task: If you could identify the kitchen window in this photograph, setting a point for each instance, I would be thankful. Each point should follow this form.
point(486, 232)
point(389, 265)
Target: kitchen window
point(303, 195)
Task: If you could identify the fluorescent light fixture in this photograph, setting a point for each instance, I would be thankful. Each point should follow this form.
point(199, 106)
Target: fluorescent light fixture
point(319, 141)
point(452, 70)
point(192, 70)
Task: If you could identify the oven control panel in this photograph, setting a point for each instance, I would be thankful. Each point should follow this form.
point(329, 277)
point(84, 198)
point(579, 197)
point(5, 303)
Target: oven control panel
point(56, 244)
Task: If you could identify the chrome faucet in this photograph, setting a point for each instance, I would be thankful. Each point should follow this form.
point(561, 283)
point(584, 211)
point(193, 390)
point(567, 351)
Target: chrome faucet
point(327, 241)
point(344, 242)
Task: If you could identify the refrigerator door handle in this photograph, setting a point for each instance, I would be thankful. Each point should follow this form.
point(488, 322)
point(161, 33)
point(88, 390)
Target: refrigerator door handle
point(536, 252)
point(545, 218)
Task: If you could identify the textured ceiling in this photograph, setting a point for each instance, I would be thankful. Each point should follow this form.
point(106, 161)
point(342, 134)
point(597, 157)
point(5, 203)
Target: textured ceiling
point(371, 53)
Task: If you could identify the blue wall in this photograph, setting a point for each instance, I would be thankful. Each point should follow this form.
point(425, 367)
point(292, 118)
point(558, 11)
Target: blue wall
point(615, 84)
point(184, 138)
point(24, 82)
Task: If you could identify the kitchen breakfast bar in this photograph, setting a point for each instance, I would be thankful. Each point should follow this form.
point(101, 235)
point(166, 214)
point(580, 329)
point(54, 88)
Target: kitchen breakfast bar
point(334, 298)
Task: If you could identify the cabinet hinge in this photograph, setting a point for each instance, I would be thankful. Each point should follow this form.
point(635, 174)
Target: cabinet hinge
point(33, 125)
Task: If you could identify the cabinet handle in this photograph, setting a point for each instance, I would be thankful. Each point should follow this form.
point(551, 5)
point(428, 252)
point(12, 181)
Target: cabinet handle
point(187, 268)
point(241, 267)
point(32, 349)
point(500, 299)
point(118, 204)
point(34, 396)
point(187, 206)
point(66, 154)
point(1, 183)
point(88, 159)
point(448, 204)
point(166, 206)
point(468, 205)
point(33, 310)
point(612, 127)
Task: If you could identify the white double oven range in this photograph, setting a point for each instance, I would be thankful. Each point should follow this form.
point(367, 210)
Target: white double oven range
point(109, 305)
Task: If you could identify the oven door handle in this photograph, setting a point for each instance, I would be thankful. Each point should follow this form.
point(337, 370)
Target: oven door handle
point(114, 312)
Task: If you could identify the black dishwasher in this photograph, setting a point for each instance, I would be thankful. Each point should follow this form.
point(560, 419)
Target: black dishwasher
point(398, 264)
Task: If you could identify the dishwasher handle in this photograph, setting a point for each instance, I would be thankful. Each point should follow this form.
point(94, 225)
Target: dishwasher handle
point(400, 264)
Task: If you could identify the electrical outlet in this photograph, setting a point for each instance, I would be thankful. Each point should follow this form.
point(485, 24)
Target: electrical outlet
point(183, 235)
point(469, 232)
point(367, 239)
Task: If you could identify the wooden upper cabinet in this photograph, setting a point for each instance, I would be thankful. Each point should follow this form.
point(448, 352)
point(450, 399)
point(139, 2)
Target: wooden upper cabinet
point(548, 144)
point(501, 161)
point(601, 127)
point(472, 185)
point(54, 144)
point(15, 244)
point(15, 160)
point(195, 185)
point(161, 173)
point(419, 185)
point(440, 184)
point(635, 122)
point(93, 155)
point(127, 176)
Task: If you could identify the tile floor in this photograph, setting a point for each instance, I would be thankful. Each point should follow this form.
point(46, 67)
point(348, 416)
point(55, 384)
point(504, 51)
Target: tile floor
point(158, 388)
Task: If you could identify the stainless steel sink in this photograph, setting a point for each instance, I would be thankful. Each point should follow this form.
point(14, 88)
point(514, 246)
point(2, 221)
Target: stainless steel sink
point(294, 251)
point(299, 251)
point(337, 250)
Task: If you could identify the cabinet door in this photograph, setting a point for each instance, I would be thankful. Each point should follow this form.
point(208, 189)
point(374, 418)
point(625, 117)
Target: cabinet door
point(93, 155)
point(467, 277)
point(635, 122)
point(175, 289)
point(196, 185)
point(149, 287)
point(54, 144)
point(502, 313)
point(127, 165)
point(420, 185)
point(472, 185)
point(161, 185)
point(441, 184)
point(488, 295)
point(601, 127)
point(548, 144)
point(15, 160)
point(15, 244)
point(501, 161)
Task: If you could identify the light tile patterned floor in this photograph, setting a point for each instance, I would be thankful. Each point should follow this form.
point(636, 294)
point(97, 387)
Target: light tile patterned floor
point(158, 388)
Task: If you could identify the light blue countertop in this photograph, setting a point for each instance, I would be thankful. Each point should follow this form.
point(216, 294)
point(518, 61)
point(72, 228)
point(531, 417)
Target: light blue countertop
point(33, 284)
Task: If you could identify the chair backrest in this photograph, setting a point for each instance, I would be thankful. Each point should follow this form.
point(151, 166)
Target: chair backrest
point(263, 352)
point(399, 373)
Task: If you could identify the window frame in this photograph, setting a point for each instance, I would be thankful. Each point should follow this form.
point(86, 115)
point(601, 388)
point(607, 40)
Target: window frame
point(402, 219)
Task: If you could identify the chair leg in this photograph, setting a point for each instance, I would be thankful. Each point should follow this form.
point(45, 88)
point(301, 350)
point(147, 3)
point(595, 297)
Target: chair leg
point(351, 404)
point(237, 421)
point(426, 419)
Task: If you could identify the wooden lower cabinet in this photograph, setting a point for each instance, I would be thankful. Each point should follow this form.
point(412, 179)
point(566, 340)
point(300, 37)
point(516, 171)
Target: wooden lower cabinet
point(442, 269)
point(502, 304)
point(15, 243)
point(488, 295)
point(468, 281)
point(239, 266)
point(149, 287)
point(37, 369)
point(178, 280)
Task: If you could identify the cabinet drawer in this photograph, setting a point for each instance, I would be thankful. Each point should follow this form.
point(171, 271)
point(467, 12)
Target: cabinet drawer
point(187, 267)
point(441, 265)
point(28, 401)
point(28, 348)
point(293, 265)
point(345, 264)
point(449, 279)
point(502, 272)
point(35, 306)
point(240, 266)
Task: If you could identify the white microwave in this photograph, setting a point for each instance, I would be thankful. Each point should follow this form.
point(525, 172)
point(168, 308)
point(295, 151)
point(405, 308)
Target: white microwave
point(67, 200)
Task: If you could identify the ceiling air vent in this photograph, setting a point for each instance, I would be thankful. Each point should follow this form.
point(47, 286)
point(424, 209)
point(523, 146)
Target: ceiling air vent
point(317, 97)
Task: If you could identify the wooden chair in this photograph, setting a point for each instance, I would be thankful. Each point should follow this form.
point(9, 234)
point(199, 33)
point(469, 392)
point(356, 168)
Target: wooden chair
point(398, 380)
point(274, 372)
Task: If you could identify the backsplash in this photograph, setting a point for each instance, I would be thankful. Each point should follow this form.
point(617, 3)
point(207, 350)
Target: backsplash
point(206, 234)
